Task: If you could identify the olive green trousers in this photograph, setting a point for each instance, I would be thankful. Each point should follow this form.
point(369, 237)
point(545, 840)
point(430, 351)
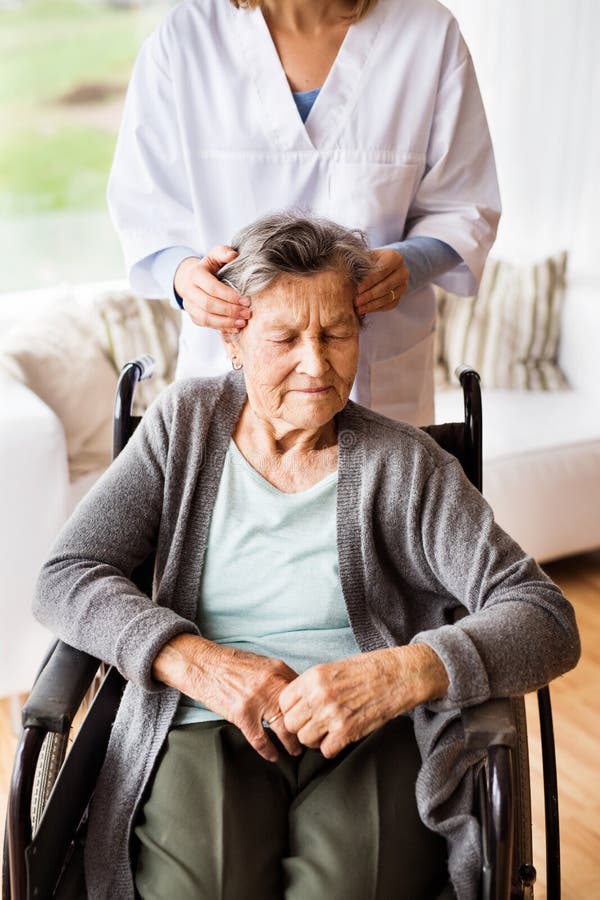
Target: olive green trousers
point(218, 822)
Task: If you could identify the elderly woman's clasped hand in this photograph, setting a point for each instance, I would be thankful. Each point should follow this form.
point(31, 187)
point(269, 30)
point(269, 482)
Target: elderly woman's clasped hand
point(328, 706)
point(333, 704)
point(242, 687)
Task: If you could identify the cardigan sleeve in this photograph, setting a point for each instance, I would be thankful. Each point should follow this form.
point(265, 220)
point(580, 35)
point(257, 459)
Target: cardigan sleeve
point(84, 593)
point(521, 631)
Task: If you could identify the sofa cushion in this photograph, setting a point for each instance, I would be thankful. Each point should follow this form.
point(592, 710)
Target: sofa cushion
point(541, 465)
point(71, 354)
point(58, 358)
point(517, 422)
point(510, 331)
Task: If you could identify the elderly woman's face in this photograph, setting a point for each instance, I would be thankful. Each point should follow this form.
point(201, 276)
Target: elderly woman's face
point(300, 348)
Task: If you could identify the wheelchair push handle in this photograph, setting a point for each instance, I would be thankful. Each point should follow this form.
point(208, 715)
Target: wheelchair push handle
point(145, 364)
point(471, 386)
point(124, 422)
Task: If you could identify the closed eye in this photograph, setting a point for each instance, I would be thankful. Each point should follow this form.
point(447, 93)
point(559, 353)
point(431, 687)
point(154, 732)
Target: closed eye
point(325, 337)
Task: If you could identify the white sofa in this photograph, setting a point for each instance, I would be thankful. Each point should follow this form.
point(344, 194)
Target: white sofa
point(541, 469)
point(37, 490)
point(541, 450)
point(37, 497)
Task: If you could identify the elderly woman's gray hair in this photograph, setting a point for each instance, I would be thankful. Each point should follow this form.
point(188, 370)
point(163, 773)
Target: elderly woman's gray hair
point(296, 244)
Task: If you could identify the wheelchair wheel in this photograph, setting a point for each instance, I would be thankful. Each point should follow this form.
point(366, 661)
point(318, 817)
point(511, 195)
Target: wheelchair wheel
point(50, 760)
point(52, 755)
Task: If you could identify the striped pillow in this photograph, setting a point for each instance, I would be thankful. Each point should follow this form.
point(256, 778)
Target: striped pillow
point(128, 326)
point(509, 332)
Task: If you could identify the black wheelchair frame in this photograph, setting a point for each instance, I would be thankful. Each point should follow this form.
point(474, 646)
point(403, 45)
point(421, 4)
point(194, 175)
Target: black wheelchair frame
point(37, 848)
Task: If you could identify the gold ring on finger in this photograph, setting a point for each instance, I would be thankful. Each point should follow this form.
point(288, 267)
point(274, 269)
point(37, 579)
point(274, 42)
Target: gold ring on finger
point(393, 293)
point(272, 719)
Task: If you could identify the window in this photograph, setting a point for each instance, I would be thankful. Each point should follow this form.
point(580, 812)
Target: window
point(64, 68)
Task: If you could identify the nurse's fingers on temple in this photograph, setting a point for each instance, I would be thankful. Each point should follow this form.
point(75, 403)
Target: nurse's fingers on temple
point(204, 279)
point(211, 320)
point(393, 277)
point(212, 312)
point(384, 296)
point(218, 256)
point(224, 307)
point(371, 282)
point(386, 262)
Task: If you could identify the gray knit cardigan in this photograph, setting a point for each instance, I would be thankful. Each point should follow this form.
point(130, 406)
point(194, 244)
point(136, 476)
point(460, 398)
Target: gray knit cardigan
point(415, 541)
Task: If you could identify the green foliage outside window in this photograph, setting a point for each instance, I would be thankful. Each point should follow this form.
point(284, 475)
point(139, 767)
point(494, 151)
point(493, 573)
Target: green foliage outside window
point(64, 68)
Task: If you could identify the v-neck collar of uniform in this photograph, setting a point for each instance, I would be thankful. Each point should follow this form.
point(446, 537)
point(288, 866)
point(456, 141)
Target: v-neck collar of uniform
point(336, 96)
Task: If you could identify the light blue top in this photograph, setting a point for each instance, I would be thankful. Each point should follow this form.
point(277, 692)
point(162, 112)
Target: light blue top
point(426, 258)
point(304, 101)
point(270, 582)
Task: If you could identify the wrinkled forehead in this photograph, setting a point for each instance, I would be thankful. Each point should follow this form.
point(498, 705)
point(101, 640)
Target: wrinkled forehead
point(324, 299)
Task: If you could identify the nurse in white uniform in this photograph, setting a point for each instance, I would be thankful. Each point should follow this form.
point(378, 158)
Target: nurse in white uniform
point(367, 112)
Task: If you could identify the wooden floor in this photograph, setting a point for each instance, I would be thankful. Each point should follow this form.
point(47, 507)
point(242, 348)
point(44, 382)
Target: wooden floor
point(576, 709)
point(576, 704)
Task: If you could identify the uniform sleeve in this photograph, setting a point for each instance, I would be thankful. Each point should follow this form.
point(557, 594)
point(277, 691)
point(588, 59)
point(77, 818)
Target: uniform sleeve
point(163, 266)
point(426, 259)
point(148, 193)
point(458, 199)
point(521, 631)
point(84, 593)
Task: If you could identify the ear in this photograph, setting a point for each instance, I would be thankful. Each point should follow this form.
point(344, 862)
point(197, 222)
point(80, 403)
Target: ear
point(230, 342)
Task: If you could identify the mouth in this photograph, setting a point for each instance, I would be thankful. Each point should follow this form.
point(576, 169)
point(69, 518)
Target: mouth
point(314, 390)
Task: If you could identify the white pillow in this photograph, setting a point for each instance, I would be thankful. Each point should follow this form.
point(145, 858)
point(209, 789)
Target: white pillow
point(71, 355)
point(59, 358)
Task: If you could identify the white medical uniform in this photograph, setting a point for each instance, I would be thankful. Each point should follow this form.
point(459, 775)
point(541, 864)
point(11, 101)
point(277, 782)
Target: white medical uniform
point(396, 143)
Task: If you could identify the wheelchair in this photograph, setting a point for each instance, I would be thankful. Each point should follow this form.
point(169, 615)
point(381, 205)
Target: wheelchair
point(51, 789)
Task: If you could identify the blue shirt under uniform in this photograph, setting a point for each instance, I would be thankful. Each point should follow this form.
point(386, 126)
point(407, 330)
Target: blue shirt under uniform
point(270, 582)
point(425, 258)
point(304, 101)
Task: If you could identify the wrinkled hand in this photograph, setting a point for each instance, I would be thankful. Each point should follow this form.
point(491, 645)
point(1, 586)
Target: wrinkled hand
point(244, 688)
point(375, 291)
point(333, 704)
point(207, 300)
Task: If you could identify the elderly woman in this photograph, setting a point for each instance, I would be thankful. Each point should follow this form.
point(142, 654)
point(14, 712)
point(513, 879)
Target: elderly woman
point(310, 555)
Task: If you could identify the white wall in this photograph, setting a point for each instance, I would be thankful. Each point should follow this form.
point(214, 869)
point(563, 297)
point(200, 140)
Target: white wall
point(538, 63)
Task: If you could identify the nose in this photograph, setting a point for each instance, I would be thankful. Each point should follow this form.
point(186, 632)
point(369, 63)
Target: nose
point(313, 358)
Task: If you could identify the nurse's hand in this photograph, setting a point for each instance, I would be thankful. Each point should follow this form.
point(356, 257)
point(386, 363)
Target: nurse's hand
point(207, 300)
point(333, 704)
point(383, 288)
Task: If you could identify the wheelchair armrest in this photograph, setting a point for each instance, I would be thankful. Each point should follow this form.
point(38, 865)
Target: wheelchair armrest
point(37, 859)
point(59, 689)
point(489, 724)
